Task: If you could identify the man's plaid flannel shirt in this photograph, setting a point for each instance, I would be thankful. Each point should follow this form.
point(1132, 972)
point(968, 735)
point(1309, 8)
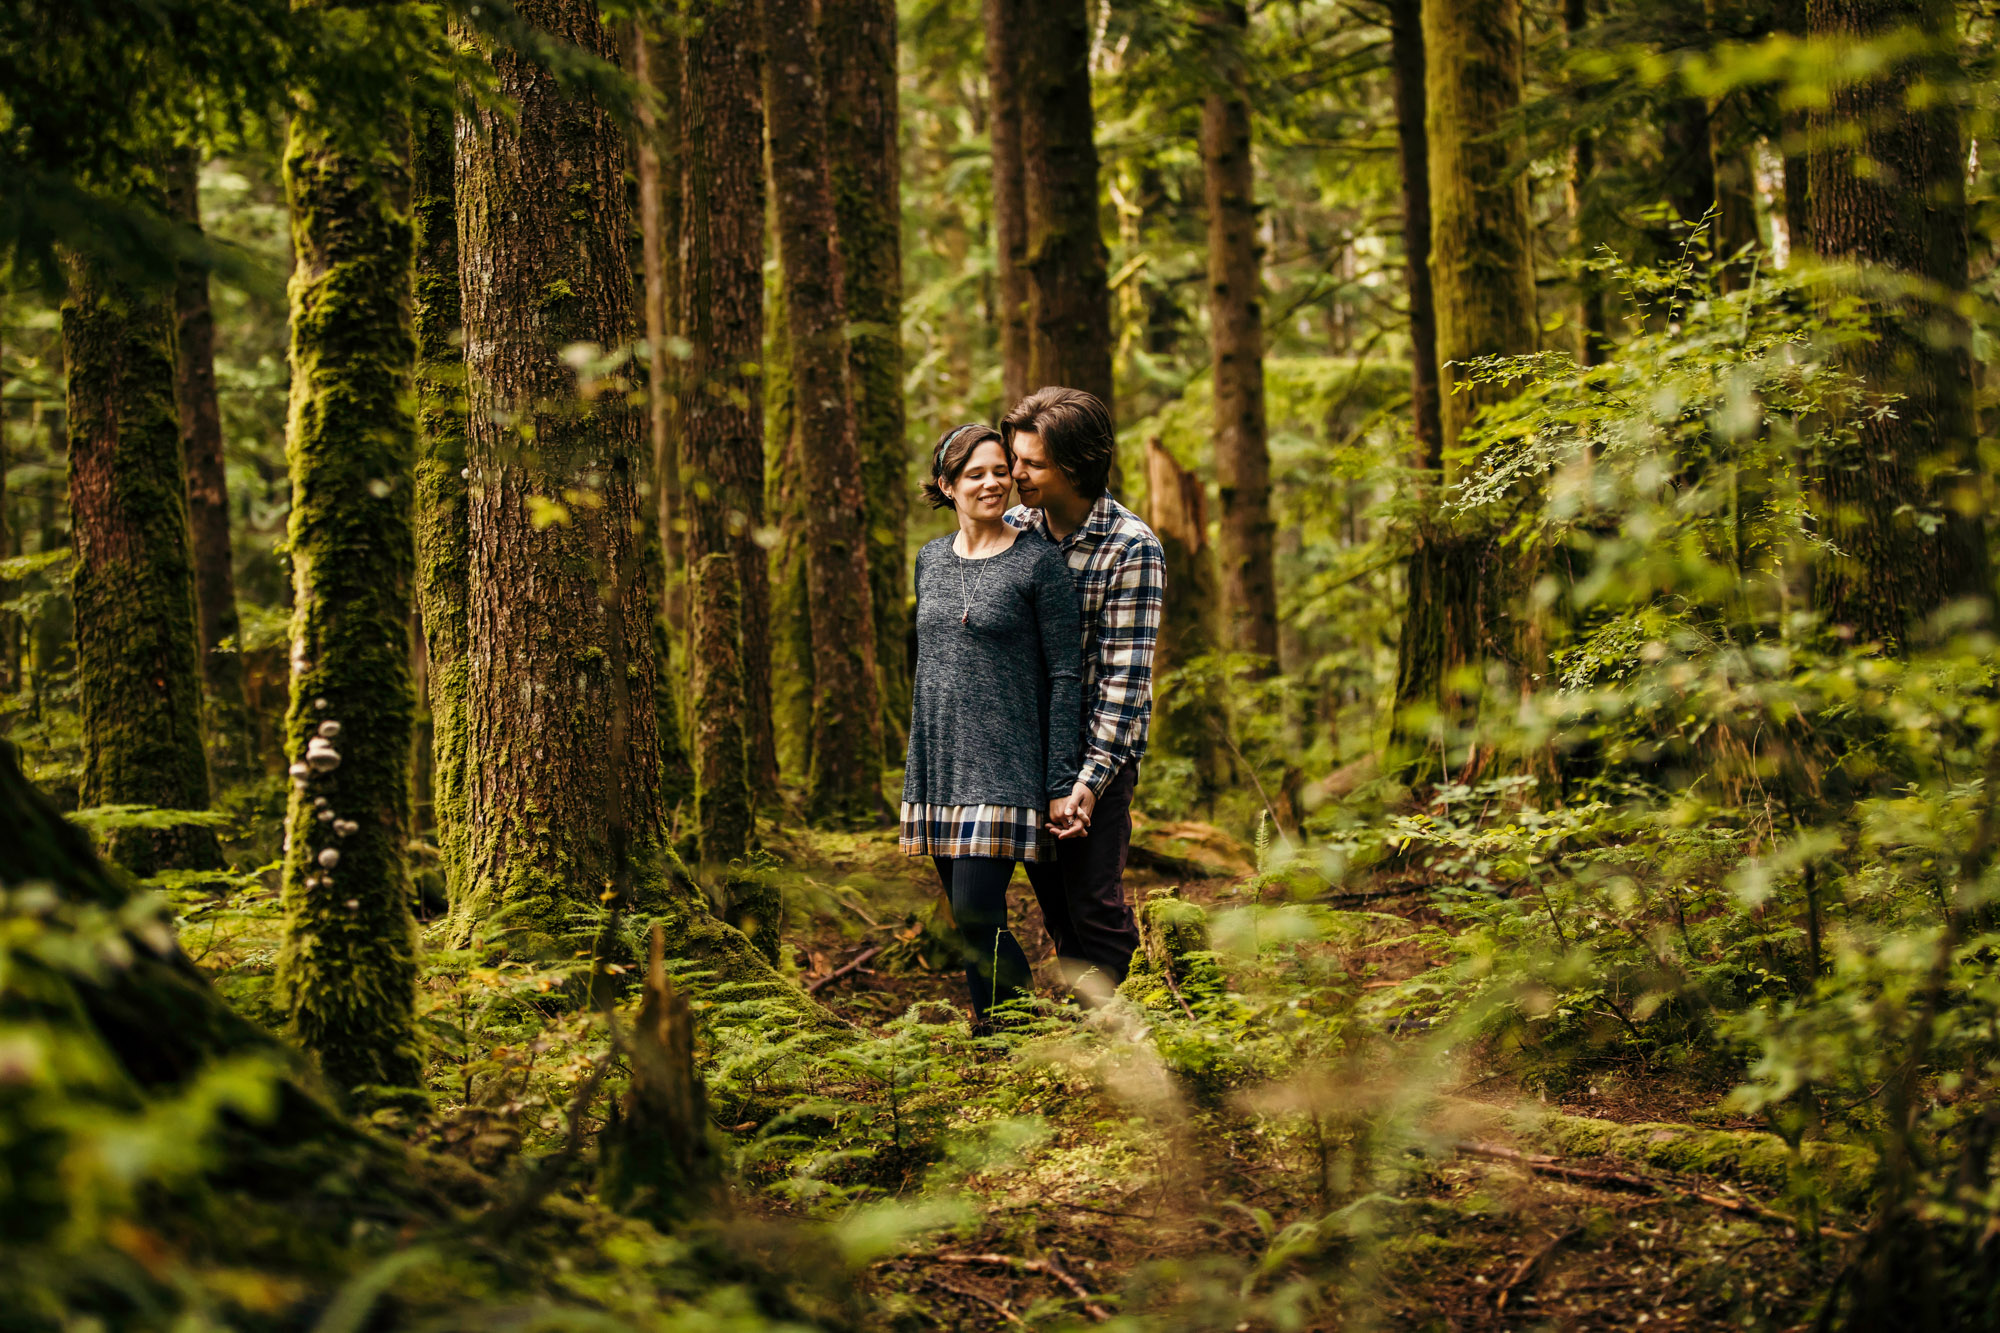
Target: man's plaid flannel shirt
point(1121, 593)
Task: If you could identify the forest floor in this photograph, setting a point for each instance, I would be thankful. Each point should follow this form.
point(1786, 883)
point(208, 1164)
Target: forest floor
point(1498, 1208)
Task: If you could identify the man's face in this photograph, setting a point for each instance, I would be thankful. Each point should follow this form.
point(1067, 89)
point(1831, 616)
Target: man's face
point(1040, 481)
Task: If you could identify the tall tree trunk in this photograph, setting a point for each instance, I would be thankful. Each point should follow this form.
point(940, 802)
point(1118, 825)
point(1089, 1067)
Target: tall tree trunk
point(1901, 502)
point(1483, 288)
point(232, 748)
point(1593, 329)
point(441, 510)
point(1069, 301)
point(1406, 37)
point(722, 317)
point(791, 602)
point(844, 786)
point(659, 64)
point(348, 968)
point(859, 41)
point(1236, 318)
point(132, 576)
point(1190, 715)
point(1003, 21)
point(51, 643)
point(1789, 17)
point(565, 769)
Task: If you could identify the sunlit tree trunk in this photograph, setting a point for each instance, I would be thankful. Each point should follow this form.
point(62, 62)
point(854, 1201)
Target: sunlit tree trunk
point(1003, 20)
point(1236, 318)
point(232, 749)
point(859, 37)
point(1482, 277)
point(565, 769)
point(791, 603)
point(348, 967)
point(1888, 193)
point(441, 515)
point(132, 569)
point(1069, 335)
point(721, 294)
point(844, 784)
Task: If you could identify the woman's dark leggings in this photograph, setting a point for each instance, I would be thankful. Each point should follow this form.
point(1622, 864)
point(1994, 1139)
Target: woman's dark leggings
point(995, 968)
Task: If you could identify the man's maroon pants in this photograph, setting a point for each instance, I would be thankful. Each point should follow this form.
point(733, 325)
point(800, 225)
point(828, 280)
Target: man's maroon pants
point(1082, 894)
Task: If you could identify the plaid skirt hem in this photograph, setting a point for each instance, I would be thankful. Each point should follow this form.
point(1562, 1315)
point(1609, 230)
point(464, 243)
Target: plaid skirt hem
point(1005, 832)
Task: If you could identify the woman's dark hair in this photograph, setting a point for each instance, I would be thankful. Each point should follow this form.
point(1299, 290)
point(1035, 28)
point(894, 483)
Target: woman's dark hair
point(1076, 428)
point(953, 451)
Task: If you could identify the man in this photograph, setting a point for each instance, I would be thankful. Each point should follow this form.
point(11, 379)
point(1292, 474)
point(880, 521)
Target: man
point(1063, 447)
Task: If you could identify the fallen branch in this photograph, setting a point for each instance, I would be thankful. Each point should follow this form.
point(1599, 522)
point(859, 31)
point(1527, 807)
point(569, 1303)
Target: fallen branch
point(854, 964)
point(985, 1300)
point(1542, 1164)
point(1045, 1266)
point(1530, 1264)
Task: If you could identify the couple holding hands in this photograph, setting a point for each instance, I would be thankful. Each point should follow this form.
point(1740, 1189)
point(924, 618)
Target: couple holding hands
point(1034, 689)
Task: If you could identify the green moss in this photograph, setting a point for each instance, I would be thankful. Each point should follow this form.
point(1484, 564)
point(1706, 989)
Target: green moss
point(722, 795)
point(347, 971)
point(442, 531)
point(133, 569)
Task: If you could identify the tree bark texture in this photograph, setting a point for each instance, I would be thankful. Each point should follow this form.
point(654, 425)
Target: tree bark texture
point(232, 749)
point(348, 967)
point(722, 775)
point(859, 41)
point(1888, 194)
point(132, 567)
point(1003, 20)
point(1069, 301)
point(791, 602)
point(1236, 320)
point(564, 771)
point(1406, 40)
point(844, 785)
point(721, 291)
point(1482, 271)
point(1190, 719)
point(441, 511)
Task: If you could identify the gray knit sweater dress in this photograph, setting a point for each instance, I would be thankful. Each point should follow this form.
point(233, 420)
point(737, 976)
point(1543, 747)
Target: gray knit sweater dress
point(995, 723)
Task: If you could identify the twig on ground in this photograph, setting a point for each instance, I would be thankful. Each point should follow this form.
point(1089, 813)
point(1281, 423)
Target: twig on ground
point(853, 964)
point(858, 910)
point(1045, 1266)
point(1528, 1265)
point(985, 1300)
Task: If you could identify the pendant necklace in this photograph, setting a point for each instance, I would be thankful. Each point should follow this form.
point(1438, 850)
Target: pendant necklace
point(972, 594)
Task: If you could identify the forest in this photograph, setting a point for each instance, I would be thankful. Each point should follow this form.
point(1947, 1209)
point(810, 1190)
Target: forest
point(460, 640)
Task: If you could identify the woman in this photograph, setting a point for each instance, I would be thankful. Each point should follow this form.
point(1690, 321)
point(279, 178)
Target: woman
point(994, 731)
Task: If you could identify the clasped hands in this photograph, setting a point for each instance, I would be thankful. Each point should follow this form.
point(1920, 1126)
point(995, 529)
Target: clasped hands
point(1070, 816)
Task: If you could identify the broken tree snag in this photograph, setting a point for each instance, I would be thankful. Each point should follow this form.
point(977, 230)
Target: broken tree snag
point(657, 1158)
point(1172, 968)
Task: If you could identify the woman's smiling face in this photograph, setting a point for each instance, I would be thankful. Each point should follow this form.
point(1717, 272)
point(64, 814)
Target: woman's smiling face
point(979, 491)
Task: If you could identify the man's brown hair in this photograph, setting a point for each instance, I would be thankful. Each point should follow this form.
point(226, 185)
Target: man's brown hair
point(1076, 427)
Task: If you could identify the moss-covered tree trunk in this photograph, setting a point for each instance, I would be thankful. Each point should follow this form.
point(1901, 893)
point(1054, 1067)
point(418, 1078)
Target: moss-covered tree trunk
point(721, 314)
point(132, 570)
point(348, 967)
point(556, 458)
point(1888, 194)
point(1236, 323)
point(859, 40)
point(231, 737)
point(1003, 20)
point(1069, 301)
point(844, 785)
point(441, 488)
point(791, 604)
point(1482, 282)
point(1406, 37)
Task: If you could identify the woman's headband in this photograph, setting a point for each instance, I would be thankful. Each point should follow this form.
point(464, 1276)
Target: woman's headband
point(937, 455)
